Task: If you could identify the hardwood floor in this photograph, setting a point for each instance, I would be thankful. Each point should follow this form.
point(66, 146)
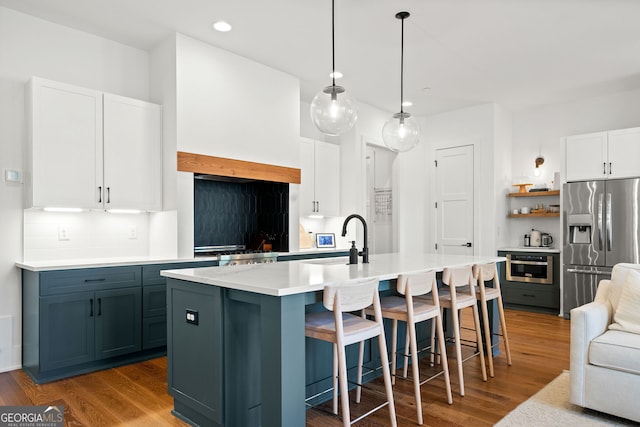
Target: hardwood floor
point(136, 395)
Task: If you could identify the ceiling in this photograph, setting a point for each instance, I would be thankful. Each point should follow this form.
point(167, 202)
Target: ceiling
point(517, 53)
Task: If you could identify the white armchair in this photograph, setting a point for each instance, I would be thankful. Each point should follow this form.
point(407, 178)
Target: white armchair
point(605, 363)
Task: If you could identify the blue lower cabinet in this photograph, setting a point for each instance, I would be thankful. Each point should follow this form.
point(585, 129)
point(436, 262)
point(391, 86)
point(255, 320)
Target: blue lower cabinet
point(118, 329)
point(79, 321)
point(154, 301)
point(67, 331)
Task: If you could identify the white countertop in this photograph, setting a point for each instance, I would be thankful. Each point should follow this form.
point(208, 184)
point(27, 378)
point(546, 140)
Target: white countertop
point(530, 249)
point(296, 277)
point(70, 264)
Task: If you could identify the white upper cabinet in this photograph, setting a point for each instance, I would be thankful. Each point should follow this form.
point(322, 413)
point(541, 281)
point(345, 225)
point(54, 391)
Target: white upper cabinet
point(320, 178)
point(92, 150)
point(624, 153)
point(132, 154)
point(603, 155)
point(586, 156)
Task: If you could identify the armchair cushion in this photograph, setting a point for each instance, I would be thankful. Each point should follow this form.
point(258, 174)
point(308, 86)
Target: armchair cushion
point(627, 315)
point(616, 350)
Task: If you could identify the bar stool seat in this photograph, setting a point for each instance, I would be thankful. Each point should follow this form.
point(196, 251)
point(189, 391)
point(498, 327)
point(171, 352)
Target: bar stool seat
point(459, 295)
point(342, 328)
point(484, 273)
point(412, 310)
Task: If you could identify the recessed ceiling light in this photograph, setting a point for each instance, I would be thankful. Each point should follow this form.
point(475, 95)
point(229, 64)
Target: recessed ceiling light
point(407, 104)
point(335, 75)
point(221, 26)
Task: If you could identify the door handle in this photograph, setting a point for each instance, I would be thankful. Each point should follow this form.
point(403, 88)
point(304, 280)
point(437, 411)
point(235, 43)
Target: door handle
point(99, 306)
point(90, 307)
point(600, 224)
point(609, 224)
point(468, 244)
point(108, 194)
point(100, 194)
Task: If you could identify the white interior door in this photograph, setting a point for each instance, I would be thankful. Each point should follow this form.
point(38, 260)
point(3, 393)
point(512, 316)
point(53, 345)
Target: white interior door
point(454, 200)
point(379, 199)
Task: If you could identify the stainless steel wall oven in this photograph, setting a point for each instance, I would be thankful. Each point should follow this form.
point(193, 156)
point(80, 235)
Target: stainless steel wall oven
point(530, 268)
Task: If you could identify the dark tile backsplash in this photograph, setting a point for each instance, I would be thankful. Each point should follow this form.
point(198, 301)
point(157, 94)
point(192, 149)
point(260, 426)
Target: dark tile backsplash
point(241, 213)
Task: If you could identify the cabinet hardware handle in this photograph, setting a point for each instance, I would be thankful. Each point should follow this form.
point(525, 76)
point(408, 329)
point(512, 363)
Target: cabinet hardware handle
point(99, 306)
point(318, 207)
point(604, 168)
point(100, 194)
point(102, 279)
point(528, 295)
point(91, 307)
point(108, 194)
point(610, 171)
point(467, 245)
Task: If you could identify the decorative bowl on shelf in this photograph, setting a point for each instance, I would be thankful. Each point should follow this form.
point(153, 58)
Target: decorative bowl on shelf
point(523, 187)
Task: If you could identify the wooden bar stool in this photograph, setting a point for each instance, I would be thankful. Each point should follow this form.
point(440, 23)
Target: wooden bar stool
point(342, 328)
point(414, 311)
point(456, 298)
point(484, 273)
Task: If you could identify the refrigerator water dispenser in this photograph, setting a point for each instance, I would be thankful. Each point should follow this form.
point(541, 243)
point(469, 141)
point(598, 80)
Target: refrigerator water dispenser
point(579, 228)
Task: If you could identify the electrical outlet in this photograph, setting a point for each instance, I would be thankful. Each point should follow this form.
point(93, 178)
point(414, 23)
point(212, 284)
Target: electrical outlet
point(63, 233)
point(192, 316)
point(133, 232)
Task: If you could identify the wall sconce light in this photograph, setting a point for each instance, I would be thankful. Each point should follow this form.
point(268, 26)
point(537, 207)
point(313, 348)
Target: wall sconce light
point(539, 163)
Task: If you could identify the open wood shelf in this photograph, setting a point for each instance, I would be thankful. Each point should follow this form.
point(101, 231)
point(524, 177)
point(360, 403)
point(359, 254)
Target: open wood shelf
point(538, 215)
point(535, 194)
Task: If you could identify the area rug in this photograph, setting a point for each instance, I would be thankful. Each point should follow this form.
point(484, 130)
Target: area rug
point(550, 407)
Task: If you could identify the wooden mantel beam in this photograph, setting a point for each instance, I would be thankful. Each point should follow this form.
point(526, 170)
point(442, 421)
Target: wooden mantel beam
point(200, 163)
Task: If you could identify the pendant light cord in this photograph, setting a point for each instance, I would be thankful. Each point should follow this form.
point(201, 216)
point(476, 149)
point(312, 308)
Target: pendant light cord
point(333, 43)
point(402, 67)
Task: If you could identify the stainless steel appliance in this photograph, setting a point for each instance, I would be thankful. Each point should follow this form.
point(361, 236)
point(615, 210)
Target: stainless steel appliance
point(235, 255)
point(546, 240)
point(601, 228)
point(530, 268)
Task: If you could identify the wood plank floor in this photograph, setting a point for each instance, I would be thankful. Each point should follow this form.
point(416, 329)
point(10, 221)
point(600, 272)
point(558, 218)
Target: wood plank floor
point(136, 395)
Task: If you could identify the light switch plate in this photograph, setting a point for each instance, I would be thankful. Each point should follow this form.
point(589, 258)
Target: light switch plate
point(12, 175)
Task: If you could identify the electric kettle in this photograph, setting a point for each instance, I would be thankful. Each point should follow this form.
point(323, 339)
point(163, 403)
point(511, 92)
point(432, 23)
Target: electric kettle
point(546, 240)
point(536, 238)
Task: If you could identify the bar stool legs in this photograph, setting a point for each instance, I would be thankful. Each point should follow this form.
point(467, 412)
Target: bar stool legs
point(455, 300)
point(484, 273)
point(342, 328)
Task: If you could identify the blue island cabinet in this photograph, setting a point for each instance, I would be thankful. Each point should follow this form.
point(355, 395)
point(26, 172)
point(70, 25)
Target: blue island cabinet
point(233, 354)
point(238, 358)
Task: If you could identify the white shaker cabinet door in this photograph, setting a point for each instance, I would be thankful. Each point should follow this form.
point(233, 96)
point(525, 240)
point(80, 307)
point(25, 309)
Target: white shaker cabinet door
point(624, 153)
point(586, 156)
point(132, 154)
point(307, 178)
point(65, 146)
point(320, 178)
point(327, 178)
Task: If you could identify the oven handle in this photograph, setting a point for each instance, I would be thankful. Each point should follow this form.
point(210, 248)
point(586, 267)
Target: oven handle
point(529, 262)
point(592, 272)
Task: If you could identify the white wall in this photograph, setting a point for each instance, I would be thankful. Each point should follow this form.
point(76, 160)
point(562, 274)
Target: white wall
point(28, 47)
point(228, 106)
point(539, 131)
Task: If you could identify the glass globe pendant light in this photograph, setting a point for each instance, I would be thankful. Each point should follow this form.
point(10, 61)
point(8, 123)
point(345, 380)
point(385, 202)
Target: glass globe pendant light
point(401, 132)
point(333, 110)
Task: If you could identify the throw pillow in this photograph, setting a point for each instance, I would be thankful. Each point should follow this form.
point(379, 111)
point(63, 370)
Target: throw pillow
point(627, 316)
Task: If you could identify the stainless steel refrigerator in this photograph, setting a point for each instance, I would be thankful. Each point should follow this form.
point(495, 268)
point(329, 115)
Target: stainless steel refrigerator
point(601, 228)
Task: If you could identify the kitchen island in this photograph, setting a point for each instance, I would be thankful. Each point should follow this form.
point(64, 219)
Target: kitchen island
point(237, 353)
